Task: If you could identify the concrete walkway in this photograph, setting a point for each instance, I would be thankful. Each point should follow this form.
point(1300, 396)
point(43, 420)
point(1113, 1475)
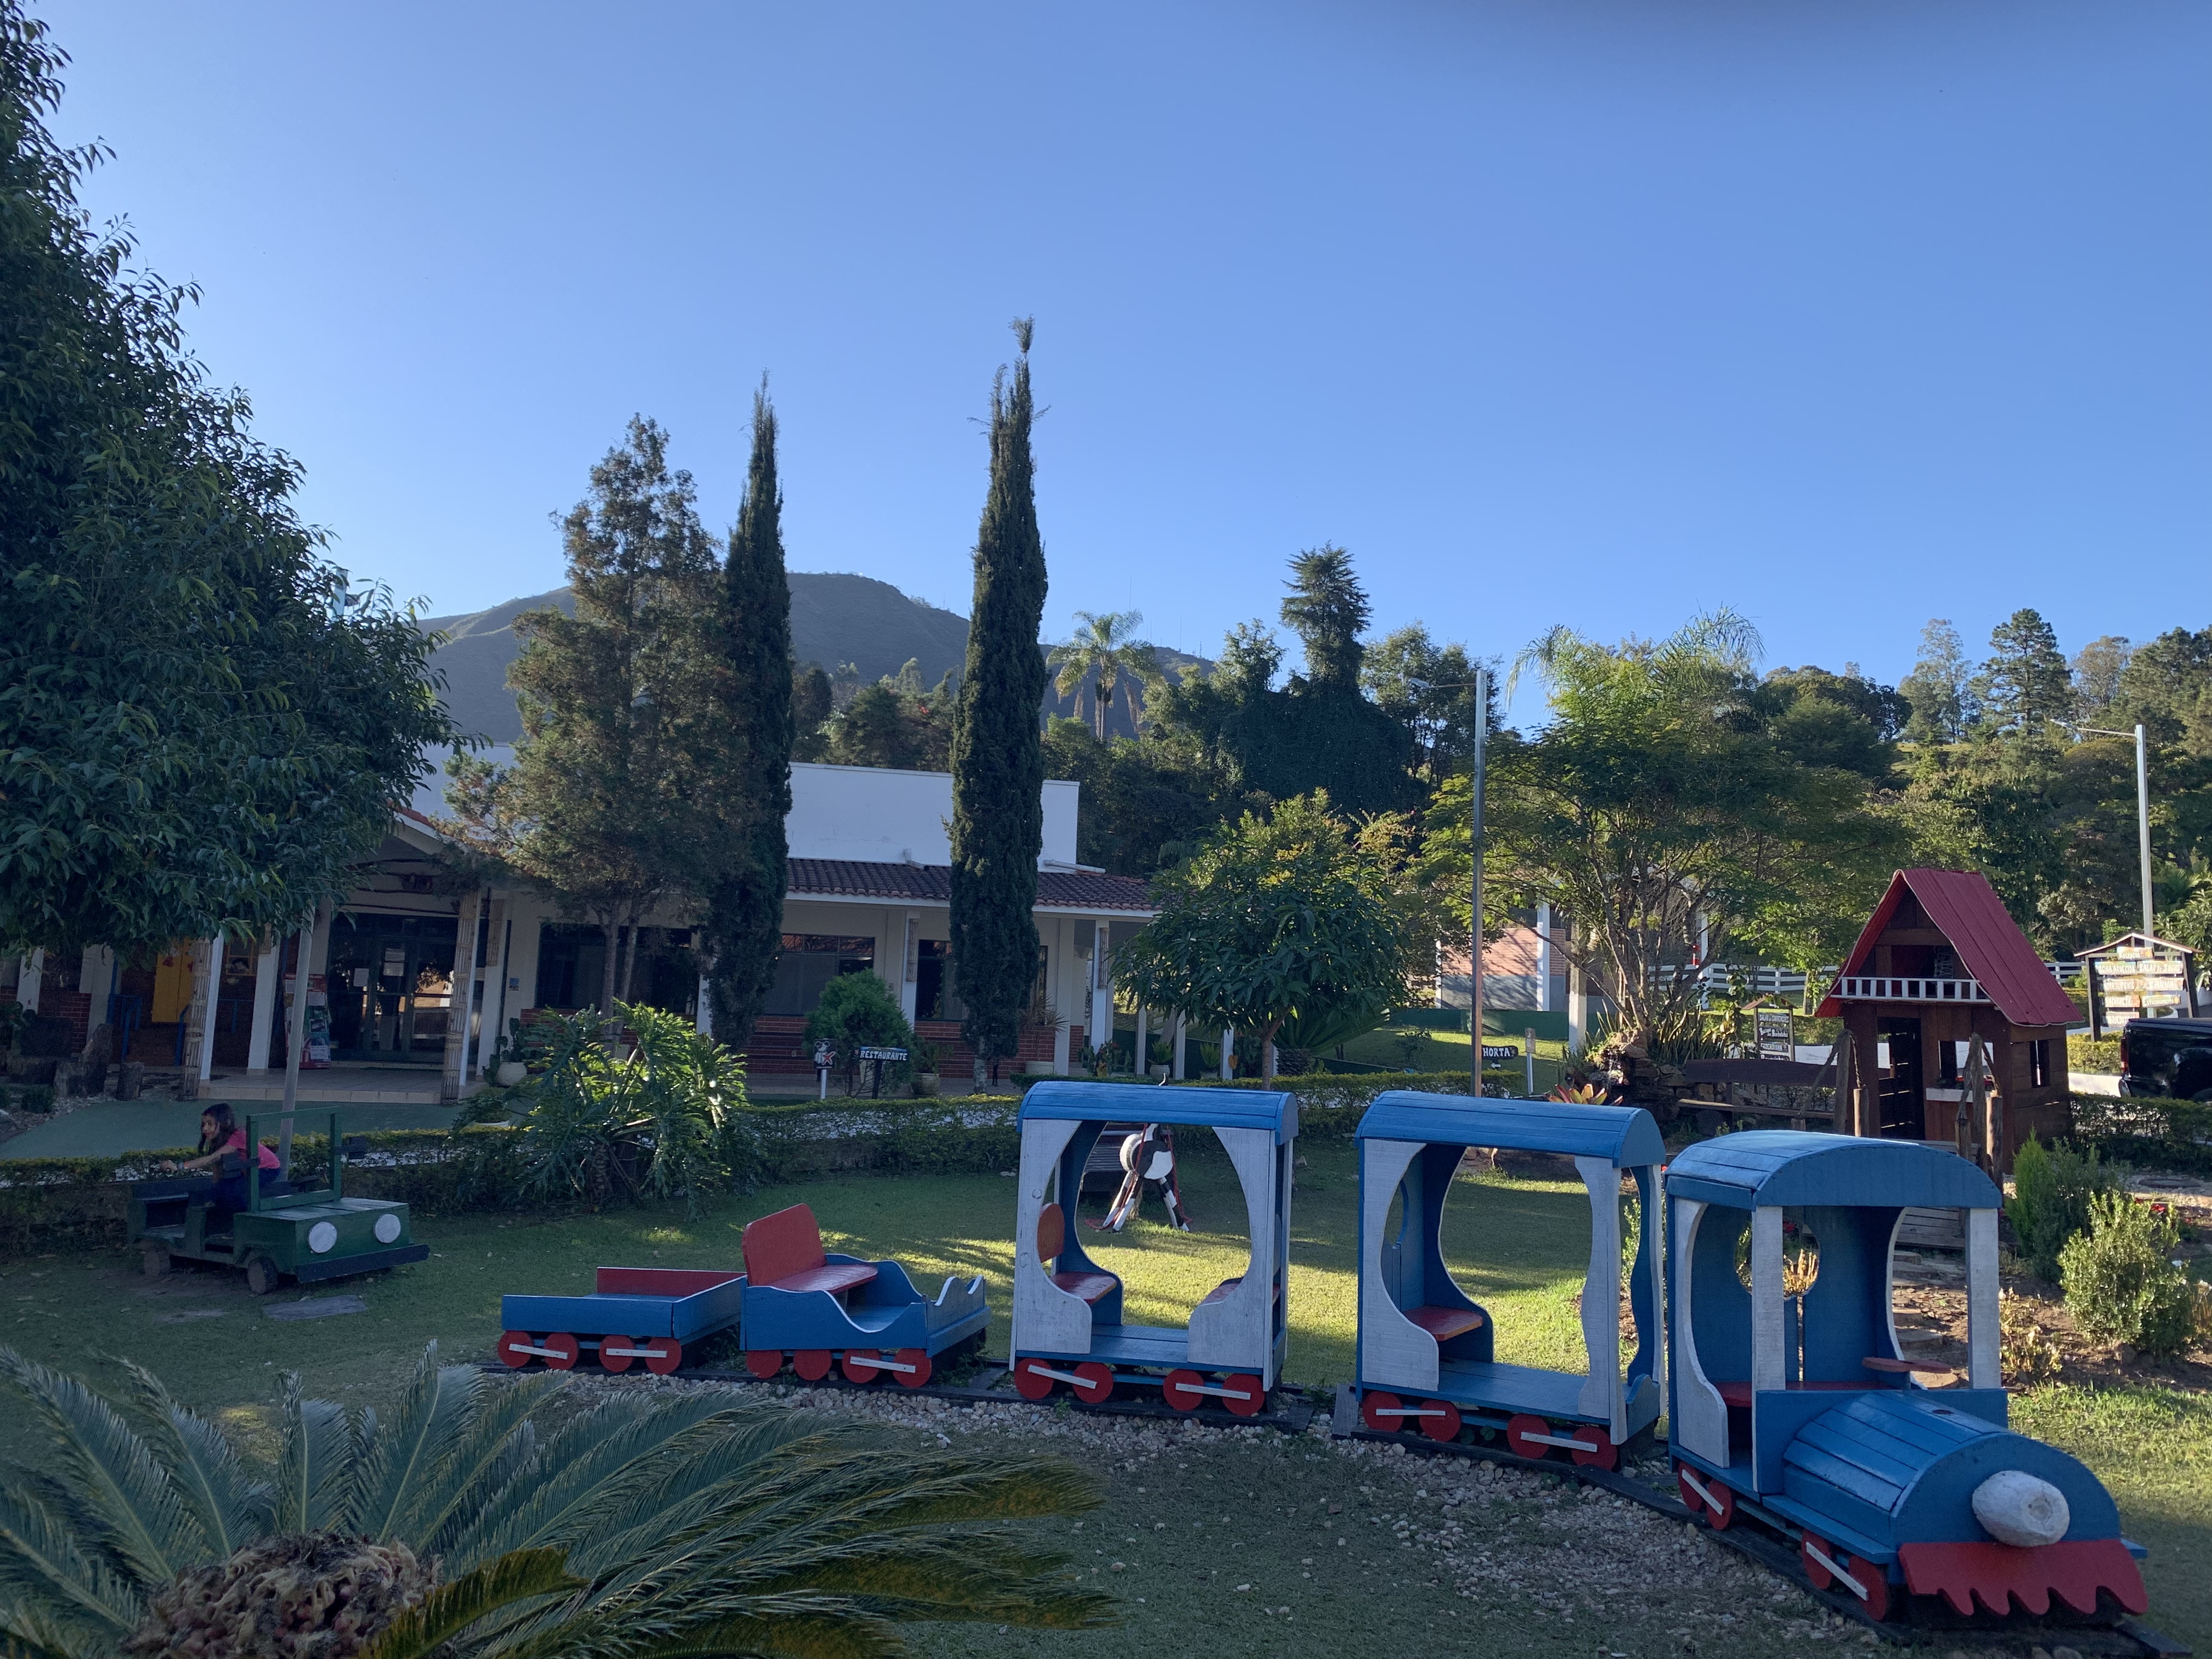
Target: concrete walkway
point(113, 1127)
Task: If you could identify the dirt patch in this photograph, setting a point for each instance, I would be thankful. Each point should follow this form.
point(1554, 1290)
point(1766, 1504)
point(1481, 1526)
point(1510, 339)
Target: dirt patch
point(1931, 1324)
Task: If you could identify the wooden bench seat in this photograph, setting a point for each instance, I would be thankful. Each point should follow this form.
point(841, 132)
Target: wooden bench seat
point(1445, 1323)
point(1092, 1287)
point(783, 1252)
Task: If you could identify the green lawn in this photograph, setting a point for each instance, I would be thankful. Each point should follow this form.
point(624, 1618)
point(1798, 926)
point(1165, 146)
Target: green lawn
point(1518, 1245)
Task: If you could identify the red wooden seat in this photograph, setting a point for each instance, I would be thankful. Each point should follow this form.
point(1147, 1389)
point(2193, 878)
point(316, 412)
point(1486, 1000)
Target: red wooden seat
point(1445, 1323)
point(1739, 1393)
point(1220, 1293)
point(1092, 1287)
point(783, 1252)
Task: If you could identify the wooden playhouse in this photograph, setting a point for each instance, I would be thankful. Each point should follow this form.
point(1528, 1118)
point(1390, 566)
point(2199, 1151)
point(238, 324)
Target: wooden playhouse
point(1955, 1029)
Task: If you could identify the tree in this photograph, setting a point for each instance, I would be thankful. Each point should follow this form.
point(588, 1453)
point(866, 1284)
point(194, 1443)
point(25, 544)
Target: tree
point(2025, 686)
point(1147, 803)
point(2098, 669)
point(1661, 808)
point(622, 786)
point(857, 1011)
point(997, 761)
point(1285, 917)
point(479, 1518)
point(1327, 610)
point(745, 909)
point(1937, 688)
point(1429, 690)
point(811, 705)
point(1101, 656)
point(203, 723)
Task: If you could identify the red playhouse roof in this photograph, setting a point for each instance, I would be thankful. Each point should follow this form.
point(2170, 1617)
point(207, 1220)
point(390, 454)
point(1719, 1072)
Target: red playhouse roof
point(1990, 947)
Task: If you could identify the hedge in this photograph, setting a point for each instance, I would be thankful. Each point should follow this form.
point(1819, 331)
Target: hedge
point(2148, 1132)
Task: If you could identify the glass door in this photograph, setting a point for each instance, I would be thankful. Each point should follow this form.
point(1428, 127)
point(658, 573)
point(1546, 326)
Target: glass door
point(391, 985)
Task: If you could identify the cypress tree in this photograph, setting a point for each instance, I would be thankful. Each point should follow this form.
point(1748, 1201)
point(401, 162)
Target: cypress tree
point(744, 927)
point(998, 758)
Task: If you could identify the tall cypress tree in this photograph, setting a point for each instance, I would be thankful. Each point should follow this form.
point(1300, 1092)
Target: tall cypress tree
point(745, 915)
point(998, 759)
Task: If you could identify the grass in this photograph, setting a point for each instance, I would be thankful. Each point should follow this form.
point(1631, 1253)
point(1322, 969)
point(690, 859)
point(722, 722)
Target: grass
point(1518, 1244)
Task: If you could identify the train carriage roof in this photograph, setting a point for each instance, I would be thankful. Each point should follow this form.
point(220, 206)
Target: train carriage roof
point(1137, 1102)
point(1626, 1135)
point(1792, 1167)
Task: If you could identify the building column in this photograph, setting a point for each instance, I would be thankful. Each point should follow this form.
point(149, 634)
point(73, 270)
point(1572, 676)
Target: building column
point(462, 1001)
point(1228, 1048)
point(203, 1007)
point(1101, 1015)
point(1577, 1008)
point(1144, 1042)
point(1862, 1110)
point(1543, 958)
point(909, 967)
point(1062, 1065)
point(264, 1006)
point(28, 978)
point(1177, 1049)
point(490, 1026)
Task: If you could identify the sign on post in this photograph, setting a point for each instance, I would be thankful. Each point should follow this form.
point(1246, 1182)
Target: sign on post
point(2138, 977)
point(1499, 1054)
point(1776, 1034)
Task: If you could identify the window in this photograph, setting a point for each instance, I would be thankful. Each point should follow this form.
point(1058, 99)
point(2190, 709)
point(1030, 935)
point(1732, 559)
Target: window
point(807, 962)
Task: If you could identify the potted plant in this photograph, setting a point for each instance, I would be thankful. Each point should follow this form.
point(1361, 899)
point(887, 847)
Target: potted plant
point(925, 1068)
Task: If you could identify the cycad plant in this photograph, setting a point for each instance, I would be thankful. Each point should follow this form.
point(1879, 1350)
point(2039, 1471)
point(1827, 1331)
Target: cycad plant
point(641, 1526)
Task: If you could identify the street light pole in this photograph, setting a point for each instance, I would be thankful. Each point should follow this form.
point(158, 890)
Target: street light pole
point(1474, 858)
point(2142, 808)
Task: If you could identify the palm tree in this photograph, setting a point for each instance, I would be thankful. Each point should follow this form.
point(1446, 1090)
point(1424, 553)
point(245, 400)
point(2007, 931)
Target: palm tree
point(1103, 654)
point(661, 1525)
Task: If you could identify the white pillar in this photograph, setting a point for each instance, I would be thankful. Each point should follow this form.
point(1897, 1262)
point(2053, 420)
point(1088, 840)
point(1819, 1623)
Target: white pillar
point(910, 967)
point(1577, 1008)
point(704, 1023)
point(1176, 1069)
point(1062, 1065)
point(265, 1007)
point(1543, 958)
point(1101, 1019)
point(470, 964)
point(26, 982)
point(492, 1023)
point(210, 987)
point(1228, 1047)
point(1144, 1042)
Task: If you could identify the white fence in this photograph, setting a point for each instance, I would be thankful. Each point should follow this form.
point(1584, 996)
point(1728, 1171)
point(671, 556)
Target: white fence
point(1729, 981)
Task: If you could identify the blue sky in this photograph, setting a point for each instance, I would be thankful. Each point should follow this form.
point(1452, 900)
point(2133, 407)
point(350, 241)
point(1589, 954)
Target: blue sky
point(1847, 314)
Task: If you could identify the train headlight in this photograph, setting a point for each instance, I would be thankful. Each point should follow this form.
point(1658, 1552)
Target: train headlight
point(2017, 1508)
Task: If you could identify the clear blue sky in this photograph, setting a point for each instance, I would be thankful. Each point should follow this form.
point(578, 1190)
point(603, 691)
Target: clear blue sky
point(1845, 312)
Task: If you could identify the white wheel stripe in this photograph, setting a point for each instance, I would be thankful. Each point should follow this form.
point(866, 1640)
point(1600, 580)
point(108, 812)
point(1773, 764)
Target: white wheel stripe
point(1562, 1440)
point(550, 1353)
point(1700, 1487)
point(888, 1364)
point(1842, 1577)
point(1046, 1371)
point(1408, 1411)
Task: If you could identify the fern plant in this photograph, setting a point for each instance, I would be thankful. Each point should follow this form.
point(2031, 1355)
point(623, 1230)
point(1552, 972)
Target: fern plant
point(671, 1524)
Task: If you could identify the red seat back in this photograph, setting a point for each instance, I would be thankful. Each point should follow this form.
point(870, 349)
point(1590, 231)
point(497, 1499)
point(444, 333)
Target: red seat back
point(777, 1246)
point(1052, 1232)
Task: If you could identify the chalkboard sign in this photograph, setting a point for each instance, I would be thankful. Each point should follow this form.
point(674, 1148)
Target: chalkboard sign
point(1499, 1054)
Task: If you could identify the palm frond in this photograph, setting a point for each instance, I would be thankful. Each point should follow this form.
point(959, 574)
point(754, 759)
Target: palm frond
point(961, 1577)
point(314, 1473)
point(25, 1635)
point(793, 1626)
point(127, 1492)
point(500, 1442)
point(524, 1576)
point(51, 1589)
point(230, 1506)
point(392, 1460)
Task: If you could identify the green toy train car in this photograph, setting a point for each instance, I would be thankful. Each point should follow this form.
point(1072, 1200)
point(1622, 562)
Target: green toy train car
point(285, 1232)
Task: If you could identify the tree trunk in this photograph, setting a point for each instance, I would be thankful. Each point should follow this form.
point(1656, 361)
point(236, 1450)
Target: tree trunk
point(630, 965)
point(607, 969)
point(1267, 1050)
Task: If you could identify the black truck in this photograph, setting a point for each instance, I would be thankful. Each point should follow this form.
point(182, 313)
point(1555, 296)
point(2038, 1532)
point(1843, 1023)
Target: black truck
point(2171, 1058)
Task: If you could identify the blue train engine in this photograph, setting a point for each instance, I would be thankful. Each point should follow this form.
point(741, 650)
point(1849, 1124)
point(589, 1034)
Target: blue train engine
point(1794, 1406)
point(1068, 1328)
point(1426, 1357)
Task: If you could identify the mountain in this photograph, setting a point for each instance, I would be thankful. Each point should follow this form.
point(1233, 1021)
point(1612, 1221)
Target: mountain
point(836, 620)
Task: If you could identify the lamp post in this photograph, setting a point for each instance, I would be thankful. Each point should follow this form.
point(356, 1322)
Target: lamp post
point(1474, 860)
point(2142, 808)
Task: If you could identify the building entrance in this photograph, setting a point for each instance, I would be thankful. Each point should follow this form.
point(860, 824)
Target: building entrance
point(391, 984)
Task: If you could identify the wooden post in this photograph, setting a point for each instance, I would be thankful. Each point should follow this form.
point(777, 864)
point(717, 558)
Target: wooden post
point(1971, 1105)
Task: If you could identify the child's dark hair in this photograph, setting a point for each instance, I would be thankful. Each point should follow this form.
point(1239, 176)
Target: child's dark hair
point(226, 1125)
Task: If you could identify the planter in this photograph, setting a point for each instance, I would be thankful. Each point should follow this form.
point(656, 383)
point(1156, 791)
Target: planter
point(509, 1073)
point(925, 1085)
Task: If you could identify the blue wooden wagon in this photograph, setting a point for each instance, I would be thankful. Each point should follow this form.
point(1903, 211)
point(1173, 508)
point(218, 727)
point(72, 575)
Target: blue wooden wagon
point(632, 1314)
point(1426, 1356)
point(820, 1309)
point(1793, 1403)
point(1068, 1328)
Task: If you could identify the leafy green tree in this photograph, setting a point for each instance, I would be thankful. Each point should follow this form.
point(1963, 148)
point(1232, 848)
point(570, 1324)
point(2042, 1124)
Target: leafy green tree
point(1102, 657)
point(857, 1011)
point(884, 725)
point(1289, 917)
point(1662, 806)
point(2025, 686)
point(202, 723)
point(998, 760)
point(2097, 668)
point(479, 1518)
point(744, 908)
point(1939, 687)
point(1327, 610)
point(1147, 803)
point(619, 796)
point(1429, 690)
point(811, 705)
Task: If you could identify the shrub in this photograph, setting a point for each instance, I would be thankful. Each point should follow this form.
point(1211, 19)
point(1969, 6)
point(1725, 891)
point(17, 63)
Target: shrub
point(2052, 1187)
point(666, 1119)
point(2148, 1132)
point(2088, 1053)
point(2121, 1280)
point(857, 1011)
point(2028, 1355)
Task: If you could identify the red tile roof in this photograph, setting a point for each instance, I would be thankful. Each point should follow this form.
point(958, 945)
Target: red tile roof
point(1991, 948)
point(932, 883)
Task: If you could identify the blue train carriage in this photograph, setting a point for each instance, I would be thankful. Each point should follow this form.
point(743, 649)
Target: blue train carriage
point(1793, 1405)
point(1068, 1329)
point(819, 1309)
point(1425, 1357)
point(633, 1314)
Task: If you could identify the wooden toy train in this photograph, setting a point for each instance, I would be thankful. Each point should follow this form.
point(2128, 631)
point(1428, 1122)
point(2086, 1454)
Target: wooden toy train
point(1791, 1405)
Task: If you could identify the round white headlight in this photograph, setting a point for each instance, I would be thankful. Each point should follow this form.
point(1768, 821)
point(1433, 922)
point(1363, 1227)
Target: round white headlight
point(387, 1228)
point(321, 1236)
point(2018, 1508)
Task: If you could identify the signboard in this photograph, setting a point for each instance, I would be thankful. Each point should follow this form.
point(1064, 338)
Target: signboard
point(883, 1053)
point(1499, 1054)
point(1777, 1033)
point(823, 1054)
point(2134, 979)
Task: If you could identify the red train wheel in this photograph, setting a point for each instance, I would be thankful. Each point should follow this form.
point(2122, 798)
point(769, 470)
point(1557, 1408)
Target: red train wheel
point(1246, 1394)
point(1098, 1385)
point(917, 1360)
point(565, 1349)
point(812, 1364)
point(1876, 1581)
point(1380, 1412)
point(1444, 1424)
point(515, 1348)
point(764, 1362)
point(1604, 1455)
point(1518, 1430)
point(1030, 1381)
point(663, 1354)
point(860, 1365)
point(1868, 1583)
point(1179, 1388)
point(1706, 1497)
point(615, 1352)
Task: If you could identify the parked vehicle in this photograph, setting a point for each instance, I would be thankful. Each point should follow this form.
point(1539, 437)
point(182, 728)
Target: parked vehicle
point(2169, 1058)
